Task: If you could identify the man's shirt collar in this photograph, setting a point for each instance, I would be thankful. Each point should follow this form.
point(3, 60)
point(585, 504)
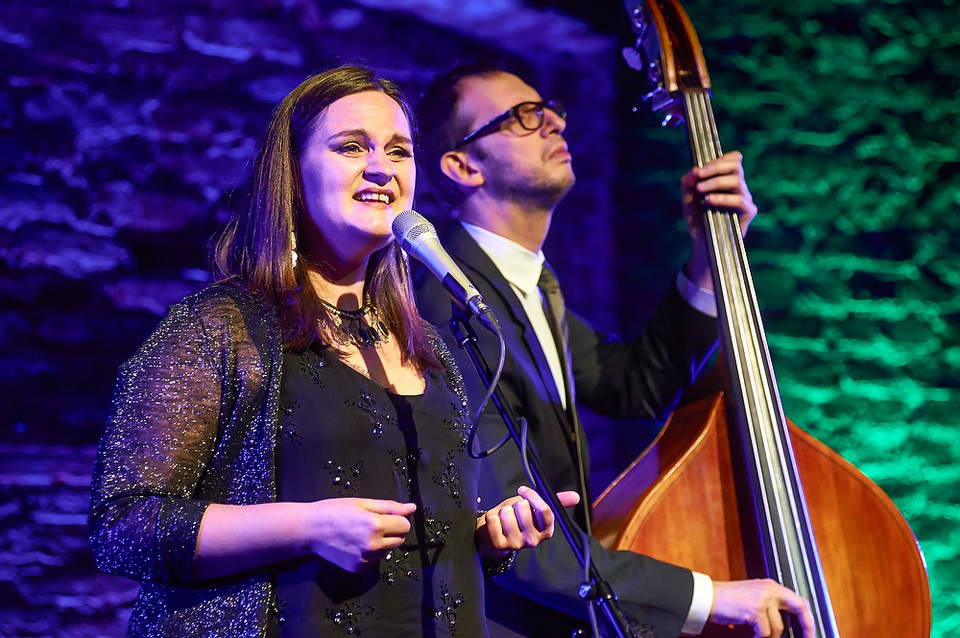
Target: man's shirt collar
point(518, 265)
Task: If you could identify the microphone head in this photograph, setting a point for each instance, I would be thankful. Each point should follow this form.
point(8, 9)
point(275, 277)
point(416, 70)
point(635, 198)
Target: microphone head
point(408, 226)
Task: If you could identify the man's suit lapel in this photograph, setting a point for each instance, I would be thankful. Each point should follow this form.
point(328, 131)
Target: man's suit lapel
point(484, 273)
point(472, 258)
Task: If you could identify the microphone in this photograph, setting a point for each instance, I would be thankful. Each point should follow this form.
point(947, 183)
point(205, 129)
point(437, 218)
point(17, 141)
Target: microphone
point(419, 238)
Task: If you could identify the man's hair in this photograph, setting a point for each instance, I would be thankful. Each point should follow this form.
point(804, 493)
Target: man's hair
point(254, 251)
point(440, 128)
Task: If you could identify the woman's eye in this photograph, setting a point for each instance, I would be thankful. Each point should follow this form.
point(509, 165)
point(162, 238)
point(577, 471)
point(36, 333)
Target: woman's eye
point(350, 147)
point(400, 152)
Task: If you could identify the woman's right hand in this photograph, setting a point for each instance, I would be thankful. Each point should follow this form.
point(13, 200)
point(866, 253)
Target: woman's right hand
point(353, 533)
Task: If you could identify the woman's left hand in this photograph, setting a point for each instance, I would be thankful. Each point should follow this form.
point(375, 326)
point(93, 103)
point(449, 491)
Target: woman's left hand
point(518, 522)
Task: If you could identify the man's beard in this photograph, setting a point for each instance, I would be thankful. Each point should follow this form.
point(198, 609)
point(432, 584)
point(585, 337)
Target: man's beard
point(544, 191)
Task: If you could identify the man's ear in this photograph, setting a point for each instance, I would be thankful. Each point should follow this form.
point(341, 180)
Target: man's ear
point(460, 167)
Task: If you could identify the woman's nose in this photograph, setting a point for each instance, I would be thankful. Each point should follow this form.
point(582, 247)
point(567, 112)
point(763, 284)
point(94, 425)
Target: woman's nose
point(380, 169)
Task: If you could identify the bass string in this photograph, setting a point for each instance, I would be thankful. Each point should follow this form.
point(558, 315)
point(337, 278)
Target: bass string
point(780, 491)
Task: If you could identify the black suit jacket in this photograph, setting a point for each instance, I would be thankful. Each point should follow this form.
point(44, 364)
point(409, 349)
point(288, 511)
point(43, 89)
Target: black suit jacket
point(639, 379)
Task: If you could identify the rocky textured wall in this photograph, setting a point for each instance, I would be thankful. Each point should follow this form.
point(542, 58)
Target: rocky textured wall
point(124, 126)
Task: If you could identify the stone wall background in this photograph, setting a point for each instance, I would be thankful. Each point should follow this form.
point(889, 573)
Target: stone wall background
point(125, 125)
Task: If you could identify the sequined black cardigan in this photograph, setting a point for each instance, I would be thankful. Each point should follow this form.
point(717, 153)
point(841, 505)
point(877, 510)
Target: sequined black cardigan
point(194, 422)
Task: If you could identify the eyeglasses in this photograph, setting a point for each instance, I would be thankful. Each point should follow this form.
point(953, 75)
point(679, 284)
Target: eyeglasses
point(529, 115)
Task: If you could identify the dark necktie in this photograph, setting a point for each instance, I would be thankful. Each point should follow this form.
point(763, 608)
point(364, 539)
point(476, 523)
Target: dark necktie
point(556, 315)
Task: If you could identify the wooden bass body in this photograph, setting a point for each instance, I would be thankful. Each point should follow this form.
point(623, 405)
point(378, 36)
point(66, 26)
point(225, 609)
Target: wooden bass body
point(678, 502)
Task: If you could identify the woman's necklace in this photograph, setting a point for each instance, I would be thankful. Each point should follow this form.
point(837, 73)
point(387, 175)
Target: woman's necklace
point(361, 328)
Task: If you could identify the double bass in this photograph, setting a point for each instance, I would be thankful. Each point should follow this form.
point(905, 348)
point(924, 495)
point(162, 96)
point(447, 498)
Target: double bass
point(730, 487)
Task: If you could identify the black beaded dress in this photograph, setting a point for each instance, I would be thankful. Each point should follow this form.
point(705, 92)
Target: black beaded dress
point(343, 435)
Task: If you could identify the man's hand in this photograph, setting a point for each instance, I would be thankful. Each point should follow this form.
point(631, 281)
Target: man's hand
point(758, 603)
point(721, 184)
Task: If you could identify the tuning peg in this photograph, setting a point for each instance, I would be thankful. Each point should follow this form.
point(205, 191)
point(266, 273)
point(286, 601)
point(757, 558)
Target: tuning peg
point(632, 57)
point(657, 97)
point(671, 119)
point(638, 20)
point(654, 74)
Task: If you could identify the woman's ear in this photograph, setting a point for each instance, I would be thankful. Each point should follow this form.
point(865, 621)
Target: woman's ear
point(460, 167)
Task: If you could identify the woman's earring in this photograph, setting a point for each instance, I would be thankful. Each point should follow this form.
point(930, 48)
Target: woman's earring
point(293, 248)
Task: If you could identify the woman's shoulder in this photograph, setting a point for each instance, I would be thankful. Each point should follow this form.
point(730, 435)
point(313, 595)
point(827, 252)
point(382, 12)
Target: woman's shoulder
point(224, 300)
point(227, 308)
point(222, 296)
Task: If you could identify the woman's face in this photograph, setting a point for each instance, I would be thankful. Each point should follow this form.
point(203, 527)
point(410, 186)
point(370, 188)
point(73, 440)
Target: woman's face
point(358, 174)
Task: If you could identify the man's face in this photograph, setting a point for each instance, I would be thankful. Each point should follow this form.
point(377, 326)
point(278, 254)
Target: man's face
point(517, 164)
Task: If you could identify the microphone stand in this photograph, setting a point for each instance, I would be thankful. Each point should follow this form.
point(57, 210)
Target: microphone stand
point(598, 591)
